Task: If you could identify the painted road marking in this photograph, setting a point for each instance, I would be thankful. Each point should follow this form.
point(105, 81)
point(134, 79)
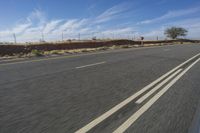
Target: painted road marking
point(104, 116)
point(122, 128)
point(79, 55)
point(143, 98)
point(95, 64)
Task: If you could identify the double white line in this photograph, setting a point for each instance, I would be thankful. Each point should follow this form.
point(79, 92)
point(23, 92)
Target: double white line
point(145, 107)
point(174, 75)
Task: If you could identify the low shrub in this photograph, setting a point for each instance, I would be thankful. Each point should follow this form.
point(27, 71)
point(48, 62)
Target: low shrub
point(37, 52)
point(103, 48)
point(54, 52)
point(125, 46)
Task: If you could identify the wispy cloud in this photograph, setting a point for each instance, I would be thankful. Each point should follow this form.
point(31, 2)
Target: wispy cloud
point(112, 13)
point(31, 26)
point(172, 14)
point(20, 28)
point(36, 23)
point(51, 26)
point(37, 16)
point(17, 29)
point(119, 31)
point(71, 25)
point(152, 35)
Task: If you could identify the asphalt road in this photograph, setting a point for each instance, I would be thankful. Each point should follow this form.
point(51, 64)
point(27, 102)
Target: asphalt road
point(69, 93)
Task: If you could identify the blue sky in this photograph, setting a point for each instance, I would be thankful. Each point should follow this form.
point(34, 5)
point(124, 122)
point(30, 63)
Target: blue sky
point(28, 19)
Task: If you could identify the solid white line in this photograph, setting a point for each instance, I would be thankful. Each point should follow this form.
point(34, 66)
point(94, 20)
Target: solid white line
point(143, 98)
point(145, 107)
point(99, 119)
point(91, 65)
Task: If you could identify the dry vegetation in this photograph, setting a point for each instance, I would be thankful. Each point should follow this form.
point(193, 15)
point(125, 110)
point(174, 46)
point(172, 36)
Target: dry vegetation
point(52, 49)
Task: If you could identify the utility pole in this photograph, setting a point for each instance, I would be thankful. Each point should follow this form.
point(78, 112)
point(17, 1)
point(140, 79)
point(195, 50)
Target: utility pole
point(14, 36)
point(113, 36)
point(132, 35)
point(157, 38)
point(128, 37)
point(92, 35)
point(103, 36)
point(79, 36)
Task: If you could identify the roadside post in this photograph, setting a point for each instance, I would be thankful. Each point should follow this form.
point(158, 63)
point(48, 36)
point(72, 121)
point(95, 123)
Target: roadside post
point(142, 38)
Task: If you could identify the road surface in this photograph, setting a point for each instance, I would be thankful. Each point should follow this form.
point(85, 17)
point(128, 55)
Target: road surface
point(144, 90)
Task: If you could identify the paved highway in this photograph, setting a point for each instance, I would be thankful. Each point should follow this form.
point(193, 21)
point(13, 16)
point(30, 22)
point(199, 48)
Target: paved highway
point(144, 90)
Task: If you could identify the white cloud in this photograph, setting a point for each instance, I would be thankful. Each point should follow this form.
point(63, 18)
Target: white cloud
point(51, 26)
point(20, 28)
point(67, 25)
point(112, 13)
point(31, 28)
point(123, 32)
point(119, 31)
point(36, 23)
point(152, 35)
point(71, 26)
point(172, 14)
point(37, 17)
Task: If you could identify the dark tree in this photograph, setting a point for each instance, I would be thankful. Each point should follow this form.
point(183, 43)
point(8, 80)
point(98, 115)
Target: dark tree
point(175, 32)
